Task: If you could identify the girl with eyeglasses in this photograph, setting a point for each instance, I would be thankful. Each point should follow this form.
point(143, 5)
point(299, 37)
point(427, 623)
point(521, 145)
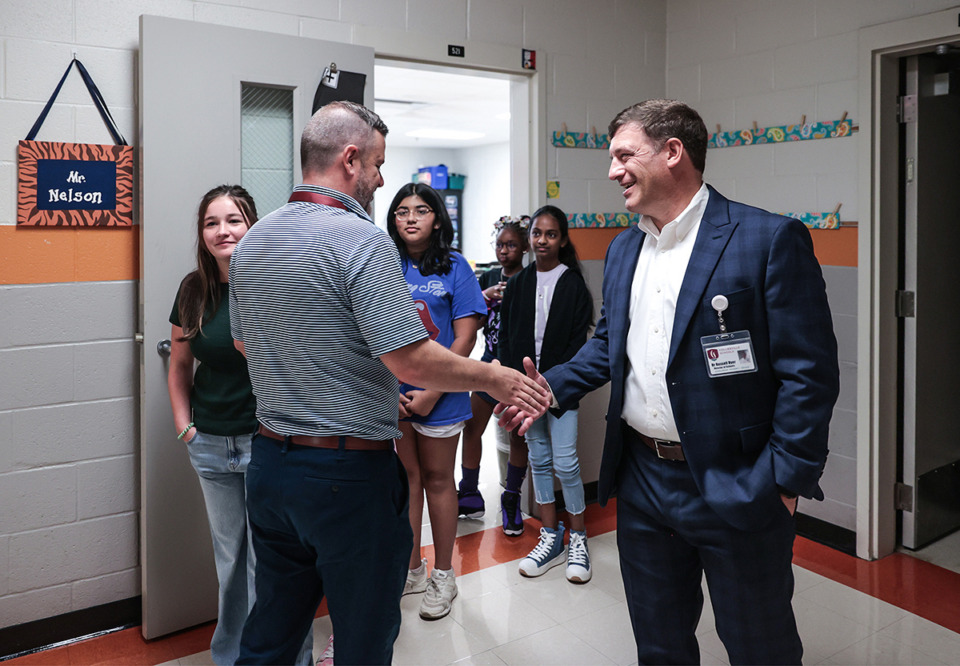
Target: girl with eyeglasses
point(450, 304)
point(511, 246)
point(546, 313)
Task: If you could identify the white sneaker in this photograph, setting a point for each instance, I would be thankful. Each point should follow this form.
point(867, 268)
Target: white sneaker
point(416, 579)
point(441, 591)
point(578, 558)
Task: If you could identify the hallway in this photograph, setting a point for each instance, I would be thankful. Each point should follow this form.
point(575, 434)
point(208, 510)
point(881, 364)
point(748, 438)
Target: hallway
point(899, 610)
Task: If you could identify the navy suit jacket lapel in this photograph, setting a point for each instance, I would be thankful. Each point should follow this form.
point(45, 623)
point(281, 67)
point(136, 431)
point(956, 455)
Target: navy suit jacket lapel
point(715, 230)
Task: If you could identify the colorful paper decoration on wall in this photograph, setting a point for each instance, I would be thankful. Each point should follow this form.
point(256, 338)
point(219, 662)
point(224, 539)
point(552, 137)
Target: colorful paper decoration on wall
point(565, 139)
point(553, 189)
point(830, 220)
point(602, 220)
point(834, 129)
point(801, 131)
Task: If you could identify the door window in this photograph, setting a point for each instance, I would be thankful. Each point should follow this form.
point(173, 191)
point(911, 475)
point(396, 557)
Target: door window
point(266, 139)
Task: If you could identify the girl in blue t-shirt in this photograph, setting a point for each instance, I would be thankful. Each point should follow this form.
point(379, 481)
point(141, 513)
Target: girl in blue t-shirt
point(450, 304)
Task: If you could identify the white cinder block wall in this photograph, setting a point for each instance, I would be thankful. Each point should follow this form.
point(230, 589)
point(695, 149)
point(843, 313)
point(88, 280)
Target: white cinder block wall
point(774, 61)
point(68, 364)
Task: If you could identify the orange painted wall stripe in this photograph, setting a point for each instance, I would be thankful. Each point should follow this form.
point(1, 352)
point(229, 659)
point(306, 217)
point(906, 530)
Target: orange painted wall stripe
point(39, 255)
point(592, 243)
point(833, 247)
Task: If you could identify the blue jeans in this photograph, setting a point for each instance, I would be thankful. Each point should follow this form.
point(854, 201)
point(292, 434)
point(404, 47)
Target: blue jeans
point(221, 463)
point(552, 447)
point(326, 523)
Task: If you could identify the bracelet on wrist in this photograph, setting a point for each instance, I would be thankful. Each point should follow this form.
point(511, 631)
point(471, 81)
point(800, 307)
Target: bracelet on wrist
point(185, 430)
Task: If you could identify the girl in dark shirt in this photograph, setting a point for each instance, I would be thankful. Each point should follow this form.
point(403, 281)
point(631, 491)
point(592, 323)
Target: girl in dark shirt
point(546, 314)
point(214, 410)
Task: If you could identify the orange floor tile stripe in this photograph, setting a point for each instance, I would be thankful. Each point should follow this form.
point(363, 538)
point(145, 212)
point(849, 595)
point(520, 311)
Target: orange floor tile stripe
point(916, 586)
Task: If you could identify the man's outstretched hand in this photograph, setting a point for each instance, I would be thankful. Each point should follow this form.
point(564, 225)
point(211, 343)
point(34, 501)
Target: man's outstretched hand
point(513, 418)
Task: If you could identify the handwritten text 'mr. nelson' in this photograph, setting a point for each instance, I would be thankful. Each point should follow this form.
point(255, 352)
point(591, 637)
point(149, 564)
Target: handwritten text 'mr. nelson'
point(70, 196)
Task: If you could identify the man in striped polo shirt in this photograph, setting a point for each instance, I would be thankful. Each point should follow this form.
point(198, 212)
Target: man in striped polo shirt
point(319, 306)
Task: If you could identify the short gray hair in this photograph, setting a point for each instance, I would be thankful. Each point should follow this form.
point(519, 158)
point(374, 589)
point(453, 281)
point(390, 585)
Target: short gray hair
point(333, 127)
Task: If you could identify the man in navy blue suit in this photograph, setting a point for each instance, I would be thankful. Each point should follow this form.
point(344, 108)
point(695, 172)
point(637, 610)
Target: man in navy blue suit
point(718, 342)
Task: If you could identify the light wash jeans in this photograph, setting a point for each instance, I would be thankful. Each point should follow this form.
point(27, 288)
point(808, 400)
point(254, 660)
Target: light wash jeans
point(552, 447)
point(221, 463)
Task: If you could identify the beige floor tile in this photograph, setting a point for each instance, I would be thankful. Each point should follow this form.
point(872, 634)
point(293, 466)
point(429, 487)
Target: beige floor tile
point(499, 617)
point(608, 631)
point(560, 599)
point(556, 645)
point(854, 605)
point(823, 631)
point(927, 637)
point(881, 650)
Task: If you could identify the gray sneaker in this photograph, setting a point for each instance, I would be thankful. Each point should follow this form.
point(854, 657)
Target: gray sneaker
point(416, 579)
point(441, 591)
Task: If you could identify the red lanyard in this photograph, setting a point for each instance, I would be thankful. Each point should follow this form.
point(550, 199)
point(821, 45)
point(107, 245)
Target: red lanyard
point(313, 197)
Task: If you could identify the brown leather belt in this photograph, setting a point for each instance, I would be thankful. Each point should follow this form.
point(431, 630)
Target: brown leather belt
point(330, 442)
point(665, 450)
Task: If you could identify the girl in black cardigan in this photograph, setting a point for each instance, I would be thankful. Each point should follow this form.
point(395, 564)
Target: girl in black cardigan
point(546, 314)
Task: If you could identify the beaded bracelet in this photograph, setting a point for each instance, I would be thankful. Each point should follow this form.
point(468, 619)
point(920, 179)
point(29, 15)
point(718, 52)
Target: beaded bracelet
point(184, 431)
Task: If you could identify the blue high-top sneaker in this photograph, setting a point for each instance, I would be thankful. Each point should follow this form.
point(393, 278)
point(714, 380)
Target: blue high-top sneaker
point(548, 553)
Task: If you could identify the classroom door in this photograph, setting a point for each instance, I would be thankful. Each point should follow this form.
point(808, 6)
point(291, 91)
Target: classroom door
point(193, 77)
point(930, 461)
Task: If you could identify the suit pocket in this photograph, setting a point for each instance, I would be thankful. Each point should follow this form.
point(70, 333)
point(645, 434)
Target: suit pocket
point(737, 312)
point(754, 438)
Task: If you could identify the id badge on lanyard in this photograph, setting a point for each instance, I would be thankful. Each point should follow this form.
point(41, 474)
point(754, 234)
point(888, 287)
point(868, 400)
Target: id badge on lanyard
point(727, 353)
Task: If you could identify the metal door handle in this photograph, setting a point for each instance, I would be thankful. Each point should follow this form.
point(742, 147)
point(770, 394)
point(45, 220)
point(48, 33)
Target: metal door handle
point(163, 348)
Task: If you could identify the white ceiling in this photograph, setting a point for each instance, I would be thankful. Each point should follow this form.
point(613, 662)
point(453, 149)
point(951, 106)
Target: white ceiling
point(410, 98)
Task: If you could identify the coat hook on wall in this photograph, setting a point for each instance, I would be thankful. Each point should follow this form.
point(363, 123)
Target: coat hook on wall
point(333, 68)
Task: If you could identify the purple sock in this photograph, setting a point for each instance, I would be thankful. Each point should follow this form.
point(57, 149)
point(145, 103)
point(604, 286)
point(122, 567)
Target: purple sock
point(515, 477)
point(471, 477)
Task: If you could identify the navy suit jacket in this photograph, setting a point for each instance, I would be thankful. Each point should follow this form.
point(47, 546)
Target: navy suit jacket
point(743, 435)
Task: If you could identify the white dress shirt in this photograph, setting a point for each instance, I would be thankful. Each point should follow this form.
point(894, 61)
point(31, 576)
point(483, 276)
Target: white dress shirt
point(653, 304)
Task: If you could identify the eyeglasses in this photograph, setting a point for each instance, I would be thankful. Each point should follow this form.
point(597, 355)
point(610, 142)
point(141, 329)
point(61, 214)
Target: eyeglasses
point(417, 213)
point(509, 246)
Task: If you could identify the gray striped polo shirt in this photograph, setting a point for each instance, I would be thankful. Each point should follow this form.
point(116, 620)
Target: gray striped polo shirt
point(316, 296)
